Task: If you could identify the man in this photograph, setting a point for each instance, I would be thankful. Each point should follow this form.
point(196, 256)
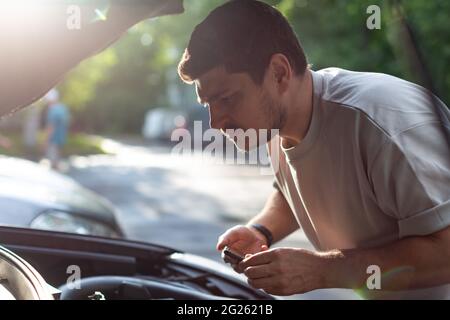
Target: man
point(56, 128)
point(363, 164)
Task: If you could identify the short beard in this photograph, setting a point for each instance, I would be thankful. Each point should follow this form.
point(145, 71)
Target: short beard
point(274, 113)
point(275, 116)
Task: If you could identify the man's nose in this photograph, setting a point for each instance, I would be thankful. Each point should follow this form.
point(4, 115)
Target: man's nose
point(216, 120)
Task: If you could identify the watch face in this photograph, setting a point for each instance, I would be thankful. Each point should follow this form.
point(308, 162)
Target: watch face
point(231, 256)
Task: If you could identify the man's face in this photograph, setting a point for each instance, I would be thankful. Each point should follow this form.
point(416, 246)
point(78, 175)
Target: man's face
point(236, 102)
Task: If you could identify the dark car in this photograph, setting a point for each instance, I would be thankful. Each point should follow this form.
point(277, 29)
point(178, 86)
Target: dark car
point(36, 197)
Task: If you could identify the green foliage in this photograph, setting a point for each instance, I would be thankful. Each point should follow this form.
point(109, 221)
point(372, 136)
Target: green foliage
point(80, 85)
point(83, 144)
point(334, 33)
point(77, 144)
point(432, 25)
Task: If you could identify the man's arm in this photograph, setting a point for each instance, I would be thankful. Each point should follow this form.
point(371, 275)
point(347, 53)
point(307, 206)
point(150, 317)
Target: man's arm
point(276, 216)
point(410, 263)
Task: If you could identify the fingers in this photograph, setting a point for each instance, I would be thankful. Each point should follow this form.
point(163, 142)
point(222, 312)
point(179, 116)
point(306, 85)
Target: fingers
point(260, 258)
point(277, 291)
point(271, 285)
point(228, 238)
point(236, 268)
point(258, 272)
point(238, 237)
point(263, 283)
point(221, 243)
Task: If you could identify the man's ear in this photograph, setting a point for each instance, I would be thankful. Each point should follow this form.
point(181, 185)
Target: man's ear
point(280, 72)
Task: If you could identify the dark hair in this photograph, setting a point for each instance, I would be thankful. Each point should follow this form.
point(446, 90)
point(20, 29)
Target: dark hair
point(241, 35)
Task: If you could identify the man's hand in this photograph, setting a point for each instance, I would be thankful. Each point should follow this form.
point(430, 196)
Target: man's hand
point(285, 271)
point(245, 240)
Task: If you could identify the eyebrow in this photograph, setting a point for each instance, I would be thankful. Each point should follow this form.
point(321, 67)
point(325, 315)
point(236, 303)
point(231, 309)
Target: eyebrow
point(202, 100)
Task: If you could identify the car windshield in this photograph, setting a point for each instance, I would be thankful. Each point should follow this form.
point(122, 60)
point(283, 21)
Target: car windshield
point(110, 142)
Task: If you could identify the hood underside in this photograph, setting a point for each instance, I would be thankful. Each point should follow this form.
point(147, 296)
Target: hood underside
point(41, 40)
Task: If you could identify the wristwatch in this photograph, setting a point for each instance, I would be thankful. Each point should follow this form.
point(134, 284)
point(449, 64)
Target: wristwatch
point(265, 232)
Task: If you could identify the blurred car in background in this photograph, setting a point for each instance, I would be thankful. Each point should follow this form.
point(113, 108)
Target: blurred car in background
point(36, 197)
point(159, 123)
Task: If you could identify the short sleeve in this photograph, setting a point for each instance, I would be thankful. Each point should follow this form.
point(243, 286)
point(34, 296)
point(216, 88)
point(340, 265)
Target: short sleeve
point(411, 179)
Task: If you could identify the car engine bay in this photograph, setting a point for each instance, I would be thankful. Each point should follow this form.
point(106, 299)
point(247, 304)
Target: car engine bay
point(92, 268)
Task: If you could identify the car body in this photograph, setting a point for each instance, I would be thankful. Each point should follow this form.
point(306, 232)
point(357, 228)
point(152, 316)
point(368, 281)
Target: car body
point(34, 196)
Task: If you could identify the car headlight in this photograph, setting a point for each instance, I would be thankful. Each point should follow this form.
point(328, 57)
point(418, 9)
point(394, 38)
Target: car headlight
point(66, 222)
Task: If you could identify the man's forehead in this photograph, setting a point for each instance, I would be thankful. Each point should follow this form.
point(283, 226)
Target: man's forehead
point(214, 82)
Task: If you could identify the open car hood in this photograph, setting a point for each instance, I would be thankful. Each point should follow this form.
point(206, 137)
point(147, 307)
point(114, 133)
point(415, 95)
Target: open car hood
point(40, 40)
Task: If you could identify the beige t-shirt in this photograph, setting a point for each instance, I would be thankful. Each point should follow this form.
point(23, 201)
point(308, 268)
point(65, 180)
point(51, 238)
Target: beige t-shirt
point(374, 166)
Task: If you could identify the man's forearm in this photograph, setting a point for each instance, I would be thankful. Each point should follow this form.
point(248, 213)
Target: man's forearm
point(410, 263)
point(277, 217)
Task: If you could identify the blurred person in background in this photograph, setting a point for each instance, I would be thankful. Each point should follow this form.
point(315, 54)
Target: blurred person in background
point(30, 131)
point(57, 123)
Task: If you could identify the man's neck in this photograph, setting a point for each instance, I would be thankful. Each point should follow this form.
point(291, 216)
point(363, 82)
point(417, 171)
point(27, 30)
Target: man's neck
point(298, 112)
